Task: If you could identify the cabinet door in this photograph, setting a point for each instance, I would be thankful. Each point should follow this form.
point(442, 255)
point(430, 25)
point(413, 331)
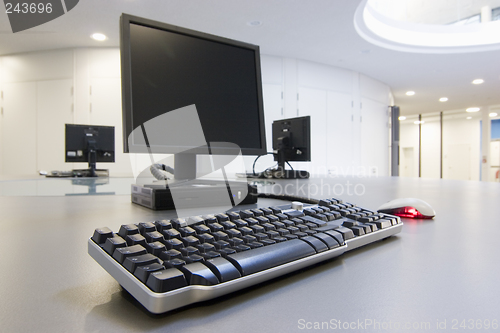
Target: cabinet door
point(339, 143)
point(312, 102)
point(19, 129)
point(54, 110)
point(107, 110)
point(374, 138)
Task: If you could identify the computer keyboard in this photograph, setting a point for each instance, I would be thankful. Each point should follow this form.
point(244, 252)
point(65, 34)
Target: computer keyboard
point(168, 264)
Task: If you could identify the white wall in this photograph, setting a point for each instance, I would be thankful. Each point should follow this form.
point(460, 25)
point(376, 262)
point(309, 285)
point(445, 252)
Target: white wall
point(44, 90)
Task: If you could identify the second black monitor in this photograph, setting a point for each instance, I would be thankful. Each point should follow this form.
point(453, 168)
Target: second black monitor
point(292, 143)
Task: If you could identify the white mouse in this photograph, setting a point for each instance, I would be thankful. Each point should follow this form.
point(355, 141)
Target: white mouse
point(408, 207)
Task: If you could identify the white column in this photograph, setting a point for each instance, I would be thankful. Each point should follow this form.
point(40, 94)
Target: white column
point(485, 144)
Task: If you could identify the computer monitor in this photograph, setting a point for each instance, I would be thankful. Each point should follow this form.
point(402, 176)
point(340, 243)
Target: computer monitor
point(90, 143)
point(166, 68)
point(291, 142)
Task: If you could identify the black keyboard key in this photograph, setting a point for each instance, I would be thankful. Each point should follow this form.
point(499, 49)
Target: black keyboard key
point(260, 236)
point(358, 231)
point(209, 219)
point(136, 239)
point(173, 244)
point(131, 263)
point(257, 212)
point(245, 231)
point(166, 280)
point(198, 274)
point(210, 255)
point(155, 248)
point(257, 228)
point(350, 223)
point(266, 211)
point(205, 238)
point(193, 258)
point(220, 235)
point(346, 233)
point(195, 220)
point(101, 234)
point(383, 223)
point(317, 244)
point(232, 233)
point(205, 247)
point(310, 232)
point(294, 213)
point(272, 218)
point(120, 254)
point(255, 245)
point(163, 225)
point(174, 263)
point(171, 234)
point(142, 272)
point(190, 241)
point(220, 244)
point(241, 248)
point(146, 227)
point(227, 251)
point(170, 254)
point(221, 217)
point(281, 216)
point(187, 251)
point(187, 231)
point(228, 225)
point(201, 229)
point(256, 260)
point(233, 216)
point(336, 235)
point(128, 229)
point(115, 242)
point(245, 214)
point(223, 269)
point(328, 240)
point(248, 239)
point(179, 223)
point(365, 219)
point(154, 236)
point(268, 241)
point(235, 241)
point(276, 210)
point(215, 227)
point(251, 221)
point(240, 223)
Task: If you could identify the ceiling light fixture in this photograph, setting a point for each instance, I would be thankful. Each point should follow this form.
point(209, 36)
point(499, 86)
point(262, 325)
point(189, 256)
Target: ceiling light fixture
point(402, 118)
point(418, 122)
point(410, 93)
point(493, 114)
point(472, 109)
point(255, 23)
point(477, 81)
point(443, 99)
point(468, 118)
point(98, 36)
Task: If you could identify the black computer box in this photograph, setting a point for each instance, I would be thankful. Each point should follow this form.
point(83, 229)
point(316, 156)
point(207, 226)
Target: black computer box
point(193, 194)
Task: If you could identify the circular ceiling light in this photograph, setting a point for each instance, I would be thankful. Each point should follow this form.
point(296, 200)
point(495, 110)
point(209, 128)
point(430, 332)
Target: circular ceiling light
point(472, 109)
point(477, 81)
point(378, 26)
point(410, 93)
point(402, 118)
point(468, 118)
point(255, 23)
point(493, 114)
point(443, 99)
point(99, 37)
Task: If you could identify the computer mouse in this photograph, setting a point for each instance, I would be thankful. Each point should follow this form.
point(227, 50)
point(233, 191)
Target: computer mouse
point(408, 207)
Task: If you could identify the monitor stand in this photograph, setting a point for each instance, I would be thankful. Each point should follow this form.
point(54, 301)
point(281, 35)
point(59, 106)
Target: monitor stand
point(281, 173)
point(190, 192)
point(91, 171)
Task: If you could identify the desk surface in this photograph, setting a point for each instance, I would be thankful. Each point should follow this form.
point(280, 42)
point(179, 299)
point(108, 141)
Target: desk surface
point(434, 271)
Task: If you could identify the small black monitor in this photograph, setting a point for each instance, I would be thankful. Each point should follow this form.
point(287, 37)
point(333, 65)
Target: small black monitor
point(90, 143)
point(166, 68)
point(291, 143)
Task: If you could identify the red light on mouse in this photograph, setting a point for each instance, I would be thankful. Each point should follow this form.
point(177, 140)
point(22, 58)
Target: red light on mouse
point(409, 212)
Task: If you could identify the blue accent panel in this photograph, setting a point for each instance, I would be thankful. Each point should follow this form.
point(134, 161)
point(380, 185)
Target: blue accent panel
point(495, 129)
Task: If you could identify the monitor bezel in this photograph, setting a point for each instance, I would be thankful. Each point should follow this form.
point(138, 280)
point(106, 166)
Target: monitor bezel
point(127, 109)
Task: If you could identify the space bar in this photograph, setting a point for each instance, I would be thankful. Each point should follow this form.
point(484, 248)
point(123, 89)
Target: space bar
point(259, 259)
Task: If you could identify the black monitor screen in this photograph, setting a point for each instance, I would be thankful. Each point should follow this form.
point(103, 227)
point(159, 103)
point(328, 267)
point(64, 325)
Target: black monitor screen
point(165, 68)
point(80, 137)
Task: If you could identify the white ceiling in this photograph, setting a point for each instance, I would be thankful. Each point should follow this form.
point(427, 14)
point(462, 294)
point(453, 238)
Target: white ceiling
point(319, 30)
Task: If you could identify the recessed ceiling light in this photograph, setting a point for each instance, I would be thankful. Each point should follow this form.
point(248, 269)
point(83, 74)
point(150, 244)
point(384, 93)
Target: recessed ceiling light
point(99, 37)
point(443, 99)
point(493, 114)
point(255, 23)
point(418, 122)
point(477, 81)
point(468, 118)
point(410, 93)
point(472, 109)
point(402, 118)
